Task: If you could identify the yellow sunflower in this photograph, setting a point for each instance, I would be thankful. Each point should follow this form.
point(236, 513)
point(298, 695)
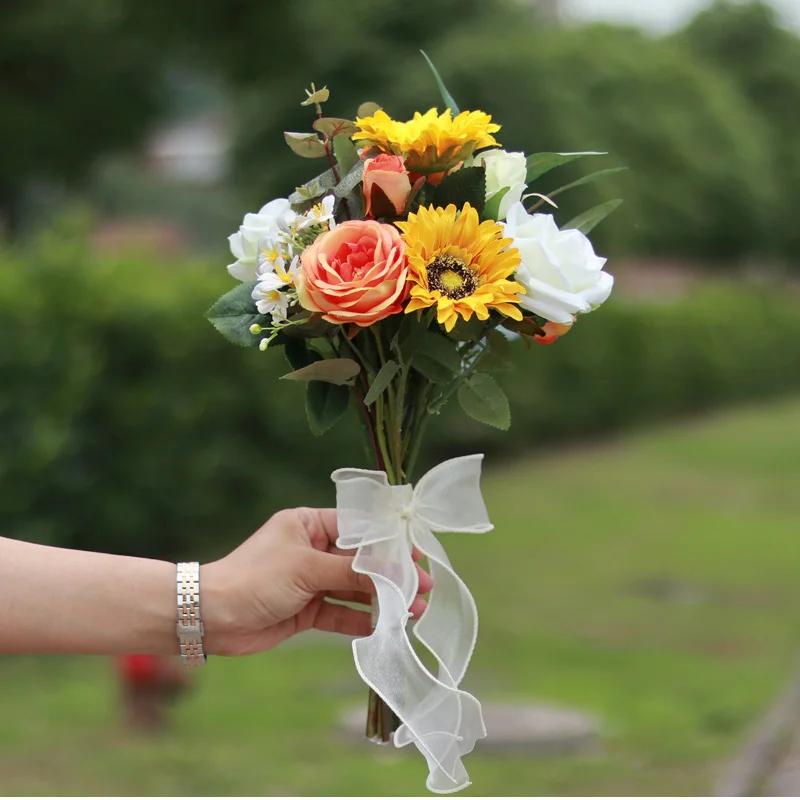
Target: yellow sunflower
point(460, 265)
point(431, 142)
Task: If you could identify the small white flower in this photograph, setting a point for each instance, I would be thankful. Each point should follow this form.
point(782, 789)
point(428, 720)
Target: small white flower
point(272, 255)
point(269, 297)
point(274, 217)
point(561, 274)
point(321, 213)
point(504, 170)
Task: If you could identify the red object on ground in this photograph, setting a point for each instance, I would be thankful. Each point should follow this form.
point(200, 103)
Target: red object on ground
point(140, 669)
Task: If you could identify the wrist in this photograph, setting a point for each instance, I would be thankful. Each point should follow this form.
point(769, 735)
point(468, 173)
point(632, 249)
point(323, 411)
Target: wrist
point(216, 609)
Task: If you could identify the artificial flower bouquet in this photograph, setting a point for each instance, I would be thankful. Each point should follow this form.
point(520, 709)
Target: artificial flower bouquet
point(392, 280)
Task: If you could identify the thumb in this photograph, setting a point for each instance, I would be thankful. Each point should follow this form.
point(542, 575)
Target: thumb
point(326, 572)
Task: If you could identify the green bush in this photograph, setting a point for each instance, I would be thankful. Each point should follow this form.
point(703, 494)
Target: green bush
point(128, 424)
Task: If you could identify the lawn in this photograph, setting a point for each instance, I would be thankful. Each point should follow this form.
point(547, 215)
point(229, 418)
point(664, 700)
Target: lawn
point(651, 582)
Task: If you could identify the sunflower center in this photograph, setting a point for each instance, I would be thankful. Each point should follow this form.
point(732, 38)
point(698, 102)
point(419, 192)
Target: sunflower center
point(451, 276)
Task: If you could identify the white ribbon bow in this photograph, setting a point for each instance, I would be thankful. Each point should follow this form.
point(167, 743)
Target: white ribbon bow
point(384, 522)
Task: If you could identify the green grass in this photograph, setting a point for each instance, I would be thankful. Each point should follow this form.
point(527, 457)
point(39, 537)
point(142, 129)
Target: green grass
point(652, 582)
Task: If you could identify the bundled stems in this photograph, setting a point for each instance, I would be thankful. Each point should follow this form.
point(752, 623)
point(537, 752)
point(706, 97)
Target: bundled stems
point(394, 423)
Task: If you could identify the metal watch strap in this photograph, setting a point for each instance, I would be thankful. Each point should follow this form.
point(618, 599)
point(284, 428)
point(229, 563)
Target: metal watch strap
point(190, 628)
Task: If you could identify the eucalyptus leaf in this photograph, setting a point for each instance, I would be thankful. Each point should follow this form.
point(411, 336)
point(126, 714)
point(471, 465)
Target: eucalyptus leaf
point(467, 185)
point(492, 207)
point(367, 109)
point(540, 163)
point(305, 145)
point(334, 126)
point(482, 399)
point(446, 96)
point(382, 380)
point(340, 371)
point(326, 404)
point(234, 313)
point(318, 96)
point(586, 222)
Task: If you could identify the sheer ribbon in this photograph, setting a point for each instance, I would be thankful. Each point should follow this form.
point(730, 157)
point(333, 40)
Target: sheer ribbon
point(384, 522)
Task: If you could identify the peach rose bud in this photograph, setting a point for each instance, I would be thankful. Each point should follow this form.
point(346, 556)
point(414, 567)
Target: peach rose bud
point(386, 186)
point(552, 331)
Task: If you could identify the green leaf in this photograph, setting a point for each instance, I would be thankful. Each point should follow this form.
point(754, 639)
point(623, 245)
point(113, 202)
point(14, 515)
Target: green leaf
point(298, 353)
point(540, 163)
point(367, 109)
point(468, 330)
point(500, 355)
point(306, 145)
point(482, 399)
point(234, 313)
point(334, 126)
point(467, 185)
point(446, 96)
point(382, 380)
point(437, 358)
point(340, 371)
point(492, 207)
point(592, 176)
point(586, 222)
point(409, 337)
point(326, 404)
point(346, 154)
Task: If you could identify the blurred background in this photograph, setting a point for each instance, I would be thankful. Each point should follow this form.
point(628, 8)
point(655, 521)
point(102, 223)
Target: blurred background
point(639, 596)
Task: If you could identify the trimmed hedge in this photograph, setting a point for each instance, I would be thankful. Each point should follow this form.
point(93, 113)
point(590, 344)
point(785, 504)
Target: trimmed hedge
point(128, 424)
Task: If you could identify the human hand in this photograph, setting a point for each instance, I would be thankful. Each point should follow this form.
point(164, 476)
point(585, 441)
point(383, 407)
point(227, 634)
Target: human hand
point(277, 584)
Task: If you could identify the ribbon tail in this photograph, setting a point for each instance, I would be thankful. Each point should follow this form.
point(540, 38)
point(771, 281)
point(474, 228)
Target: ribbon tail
point(430, 709)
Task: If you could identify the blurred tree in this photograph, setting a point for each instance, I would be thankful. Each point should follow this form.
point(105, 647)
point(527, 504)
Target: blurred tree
point(363, 50)
point(699, 182)
point(76, 80)
point(748, 43)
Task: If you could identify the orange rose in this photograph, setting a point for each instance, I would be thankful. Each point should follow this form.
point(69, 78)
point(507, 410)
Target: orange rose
point(354, 273)
point(386, 186)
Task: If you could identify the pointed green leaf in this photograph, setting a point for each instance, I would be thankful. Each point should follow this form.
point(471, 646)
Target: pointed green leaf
point(326, 404)
point(234, 313)
point(340, 371)
point(446, 96)
point(482, 399)
point(382, 380)
point(346, 154)
point(587, 221)
point(467, 185)
point(492, 207)
point(592, 176)
point(540, 163)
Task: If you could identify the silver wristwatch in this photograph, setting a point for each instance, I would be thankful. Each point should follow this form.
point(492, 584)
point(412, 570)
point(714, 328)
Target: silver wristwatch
point(190, 628)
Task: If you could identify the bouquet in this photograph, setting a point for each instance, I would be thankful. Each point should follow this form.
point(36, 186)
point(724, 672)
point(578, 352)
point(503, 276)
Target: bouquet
point(395, 281)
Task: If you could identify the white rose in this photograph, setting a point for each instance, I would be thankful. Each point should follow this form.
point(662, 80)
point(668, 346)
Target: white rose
point(275, 216)
point(560, 271)
point(504, 170)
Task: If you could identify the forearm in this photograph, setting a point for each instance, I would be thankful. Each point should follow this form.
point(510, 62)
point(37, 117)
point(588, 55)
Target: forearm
point(68, 601)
